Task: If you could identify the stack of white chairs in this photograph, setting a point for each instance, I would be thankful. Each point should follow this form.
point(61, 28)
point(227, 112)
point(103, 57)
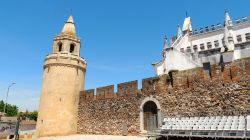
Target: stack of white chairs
point(213, 123)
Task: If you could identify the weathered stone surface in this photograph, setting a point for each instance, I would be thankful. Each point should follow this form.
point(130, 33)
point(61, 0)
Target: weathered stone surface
point(127, 88)
point(188, 93)
point(105, 92)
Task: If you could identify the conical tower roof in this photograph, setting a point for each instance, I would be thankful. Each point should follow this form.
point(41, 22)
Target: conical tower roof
point(69, 27)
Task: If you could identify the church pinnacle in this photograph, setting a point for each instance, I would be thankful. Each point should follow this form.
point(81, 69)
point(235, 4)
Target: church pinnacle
point(179, 33)
point(165, 46)
point(228, 21)
point(165, 42)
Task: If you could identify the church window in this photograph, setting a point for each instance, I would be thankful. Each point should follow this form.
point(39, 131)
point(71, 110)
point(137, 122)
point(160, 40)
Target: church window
point(209, 45)
point(216, 43)
point(207, 29)
point(72, 48)
point(195, 48)
point(195, 31)
point(244, 19)
point(239, 39)
point(182, 50)
point(202, 47)
point(219, 26)
point(201, 30)
point(237, 21)
point(230, 39)
point(212, 27)
point(188, 49)
point(59, 46)
point(247, 36)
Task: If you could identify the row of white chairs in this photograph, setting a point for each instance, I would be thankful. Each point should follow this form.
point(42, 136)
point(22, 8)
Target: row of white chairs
point(222, 118)
point(238, 123)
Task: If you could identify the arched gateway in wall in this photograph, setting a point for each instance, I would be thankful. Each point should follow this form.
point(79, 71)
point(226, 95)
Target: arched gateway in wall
point(150, 114)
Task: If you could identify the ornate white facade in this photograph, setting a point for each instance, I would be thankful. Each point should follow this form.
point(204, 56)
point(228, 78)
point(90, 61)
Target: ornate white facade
point(206, 46)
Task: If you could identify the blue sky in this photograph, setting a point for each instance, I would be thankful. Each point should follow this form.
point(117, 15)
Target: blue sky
point(120, 38)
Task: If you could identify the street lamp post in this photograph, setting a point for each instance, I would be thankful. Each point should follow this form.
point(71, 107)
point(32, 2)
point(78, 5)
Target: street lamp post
point(7, 94)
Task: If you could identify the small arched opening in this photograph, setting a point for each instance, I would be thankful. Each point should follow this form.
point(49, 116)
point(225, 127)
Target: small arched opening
point(59, 46)
point(72, 48)
point(150, 114)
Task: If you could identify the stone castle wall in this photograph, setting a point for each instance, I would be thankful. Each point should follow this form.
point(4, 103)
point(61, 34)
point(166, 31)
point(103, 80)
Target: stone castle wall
point(196, 92)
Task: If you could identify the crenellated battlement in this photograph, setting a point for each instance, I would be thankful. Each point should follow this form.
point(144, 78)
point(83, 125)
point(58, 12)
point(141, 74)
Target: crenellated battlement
point(175, 80)
point(218, 27)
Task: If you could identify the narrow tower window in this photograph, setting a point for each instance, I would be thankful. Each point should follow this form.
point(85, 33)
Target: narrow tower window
point(72, 48)
point(59, 46)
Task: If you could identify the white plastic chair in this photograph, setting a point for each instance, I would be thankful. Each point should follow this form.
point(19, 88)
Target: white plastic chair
point(241, 127)
point(206, 118)
point(224, 118)
point(202, 118)
point(248, 126)
point(201, 127)
point(218, 117)
point(165, 119)
point(189, 127)
point(227, 127)
point(212, 117)
point(214, 127)
point(182, 118)
point(183, 127)
point(168, 127)
point(196, 127)
point(174, 127)
point(207, 127)
point(179, 127)
point(248, 117)
point(220, 127)
point(196, 118)
point(234, 127)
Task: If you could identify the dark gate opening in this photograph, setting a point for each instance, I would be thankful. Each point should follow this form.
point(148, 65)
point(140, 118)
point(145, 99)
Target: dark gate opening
point(150, 116)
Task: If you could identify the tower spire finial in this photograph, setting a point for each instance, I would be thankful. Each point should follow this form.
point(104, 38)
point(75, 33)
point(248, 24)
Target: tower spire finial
point(179, 33)
point(226, 11)
point(165, 42)
point(228, 21)
point(165, 36)
point(69, 27)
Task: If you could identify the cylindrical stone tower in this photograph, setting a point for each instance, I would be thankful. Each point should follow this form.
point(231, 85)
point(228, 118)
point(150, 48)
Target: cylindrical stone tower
point(63, 79)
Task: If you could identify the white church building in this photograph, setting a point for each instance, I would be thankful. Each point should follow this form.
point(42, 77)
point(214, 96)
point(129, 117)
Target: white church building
point(217, 44)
